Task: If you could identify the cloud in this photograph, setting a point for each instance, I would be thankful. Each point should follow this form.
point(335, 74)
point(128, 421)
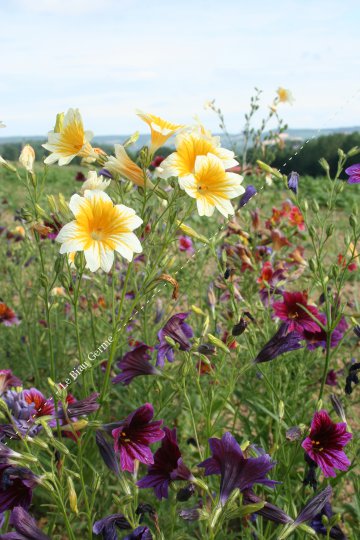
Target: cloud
point(66, 7)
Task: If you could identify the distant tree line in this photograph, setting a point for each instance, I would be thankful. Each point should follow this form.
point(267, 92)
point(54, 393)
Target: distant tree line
point(305, 162)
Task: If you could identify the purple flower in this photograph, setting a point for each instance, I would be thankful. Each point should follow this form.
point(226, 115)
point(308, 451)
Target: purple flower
point(293, 182)
point(8, 380)
point(108, 525)
point(291, 310)
point(331, 378)
point(105, 172)
point(317, 524)
point(140, 533)
point(16, 486)
point(80, 407)
point(318, 339)
point(133, 364)
point(354, 174)
point(133, 436)
point(107, 452)
point(279, 344)
point(168, 466)
point(235, 469)
point(250, 191)
point(179, 331)
point(325, 444)
point(25, 526)
point(313, 507)
point(269, 511)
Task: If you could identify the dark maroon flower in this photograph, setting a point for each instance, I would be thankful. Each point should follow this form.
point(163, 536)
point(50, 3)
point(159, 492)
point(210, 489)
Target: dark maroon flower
point(133, 436)
point(8, 380)
point(282, 342)
point(318, 339)
point(354, 174)
point(25, 526)
point(291, 310)
point(80, 177)
point(325, 444)
point(293, 182)
point(177, 330)
point(108, 525)
point(250, 191)
point(135, 363)
point(156, 162)
point(331, 378)
point(140, 533)
point(167, 467)
point(317, 524)
point(16, 486)
point(235, 469)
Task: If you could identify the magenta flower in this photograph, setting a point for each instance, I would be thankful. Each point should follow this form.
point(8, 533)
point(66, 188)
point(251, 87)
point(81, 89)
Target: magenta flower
point(354, 174)
point(325, 444)
point(8, 380)
point(318, 339)
point(16, 486)
point(168, 466)
point(179, 331)
point(133, 364)
point(235, 469)
point(186, 245)
point(291, 311)
point(133, 436)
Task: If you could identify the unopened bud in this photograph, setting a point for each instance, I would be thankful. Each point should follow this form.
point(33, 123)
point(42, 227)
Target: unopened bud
point(72, 495)
point(6, 165)
point(353, 151)
point(218, 343)
point(59, 123)
point(330, 229)
point(27, 158)
point(352, 221)
point(281, 410)
point(324, 164)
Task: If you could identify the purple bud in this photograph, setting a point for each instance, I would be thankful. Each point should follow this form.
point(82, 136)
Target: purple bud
point(250, 191)
point(293, 182)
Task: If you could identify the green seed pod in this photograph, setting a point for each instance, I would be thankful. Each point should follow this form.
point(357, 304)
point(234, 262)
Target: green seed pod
point(330, 229)
point(353, 221)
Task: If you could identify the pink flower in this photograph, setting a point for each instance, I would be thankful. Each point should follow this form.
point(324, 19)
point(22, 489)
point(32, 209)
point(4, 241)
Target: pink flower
point(325, 444)
point(185, 244)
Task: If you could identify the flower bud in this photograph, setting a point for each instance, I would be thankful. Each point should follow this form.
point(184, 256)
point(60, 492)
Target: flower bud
point(324, 164)
point(353, 221)
point(281, 410)
point(353, 151)
point(315, 206)
point(59, 123)
point(218, 343)
point(6, 165)
point(191, 232)
point(341, 153)
point(72, 495)
point(330, 229)
point(27, 158)
point(312, 231)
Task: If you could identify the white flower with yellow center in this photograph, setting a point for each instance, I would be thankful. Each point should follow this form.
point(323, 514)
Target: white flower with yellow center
point(69, 139)
point(191, 145)
point(212, 186)
point(284, 95)
point(95, 182)
point(99, 229)
point(161, 130)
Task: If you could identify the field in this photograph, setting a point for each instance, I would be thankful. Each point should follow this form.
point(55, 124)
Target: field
point(201, 384)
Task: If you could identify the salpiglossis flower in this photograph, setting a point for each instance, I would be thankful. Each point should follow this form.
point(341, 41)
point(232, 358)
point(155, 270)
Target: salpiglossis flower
point(99, 229)
point(68, 139)
point(188, 147)
point(161, 130)
point(123, 165)
point(284, 95)
point(212, 186)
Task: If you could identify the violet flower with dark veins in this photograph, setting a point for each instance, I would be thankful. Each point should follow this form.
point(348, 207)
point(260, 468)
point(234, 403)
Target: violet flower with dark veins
point(179, 331)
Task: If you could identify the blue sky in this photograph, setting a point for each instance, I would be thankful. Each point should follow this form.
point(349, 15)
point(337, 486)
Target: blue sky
point(109, 57)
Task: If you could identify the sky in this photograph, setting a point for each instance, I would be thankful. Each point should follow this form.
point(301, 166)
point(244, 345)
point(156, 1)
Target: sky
point(168, 57)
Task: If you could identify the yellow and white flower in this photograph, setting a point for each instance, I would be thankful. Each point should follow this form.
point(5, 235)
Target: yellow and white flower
point(69, 139)
point(99, 229)
point(161, 130)
point(284, 95)
point(95, 182)
point(212, 186)
point(123, 165)
point(27, 158)
point(191, 145)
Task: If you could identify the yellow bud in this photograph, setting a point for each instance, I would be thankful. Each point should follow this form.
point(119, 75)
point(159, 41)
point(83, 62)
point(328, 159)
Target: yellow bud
point(80, 424)
point(72, 495)
point(191, 232)
point(198, 311)
point(6, 165)
point(218, 343)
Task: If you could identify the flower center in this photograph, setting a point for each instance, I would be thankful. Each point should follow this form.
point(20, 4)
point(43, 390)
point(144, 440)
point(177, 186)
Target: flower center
point(293, 315)
point(202, 188)
point(124, 437)
point(316, 446)
point(97, 234)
